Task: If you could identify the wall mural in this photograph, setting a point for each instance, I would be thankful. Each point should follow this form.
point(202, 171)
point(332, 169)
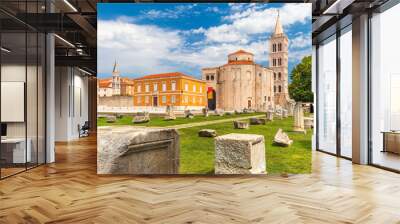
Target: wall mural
point(193, 88)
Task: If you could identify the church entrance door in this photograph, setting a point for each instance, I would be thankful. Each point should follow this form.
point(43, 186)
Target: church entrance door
point(155, 101)
point(211, 99)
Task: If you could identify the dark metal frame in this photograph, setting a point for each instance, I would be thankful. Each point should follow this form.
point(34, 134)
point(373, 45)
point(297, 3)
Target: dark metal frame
point(337, 28)
point(387, 5)
point(36, 164)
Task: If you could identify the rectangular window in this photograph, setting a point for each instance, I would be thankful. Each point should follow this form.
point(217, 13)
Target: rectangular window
point(186, 87)
point(155, 87)
point(173, 99)
point(173, 86)
point(194, 99)
point(201, 100)
point(164, 99)
point(139, 88)
point(194, 87)
point(139, 99)
point(201, 89)
point(186, 99)
point(147, 87)
point(164, 87)
point(146, 99)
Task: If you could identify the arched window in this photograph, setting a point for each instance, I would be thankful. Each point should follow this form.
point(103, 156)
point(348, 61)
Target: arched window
point(274, 62)
point(274, 76)
point(279, 76)
point(212, 77)
point(279, 47)
point(280, 89)
point(279, 61)
point(207, 77)
point(274, 89)
point(236, 58)
point(274, 48)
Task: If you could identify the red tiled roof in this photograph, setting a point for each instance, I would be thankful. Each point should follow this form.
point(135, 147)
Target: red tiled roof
point(104, 83)
point(165, 75)
point(241, 52)
point(240, 63)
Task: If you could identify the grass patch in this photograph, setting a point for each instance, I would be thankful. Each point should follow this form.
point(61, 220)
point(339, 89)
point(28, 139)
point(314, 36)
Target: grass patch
point(157, 121)
point(197, 154)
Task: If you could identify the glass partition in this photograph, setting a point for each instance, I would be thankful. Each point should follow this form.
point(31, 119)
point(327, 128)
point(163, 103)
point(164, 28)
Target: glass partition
point(22, 88)
point(385, 89)
point(327, 95)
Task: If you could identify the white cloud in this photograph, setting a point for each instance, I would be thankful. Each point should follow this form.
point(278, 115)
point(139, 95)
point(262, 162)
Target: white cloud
point(138, 48)
point(147, 49)
point(300, 41)
point(168, 13)
point(256, 20)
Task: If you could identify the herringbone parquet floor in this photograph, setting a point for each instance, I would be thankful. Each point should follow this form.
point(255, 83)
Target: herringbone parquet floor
point(69, 191)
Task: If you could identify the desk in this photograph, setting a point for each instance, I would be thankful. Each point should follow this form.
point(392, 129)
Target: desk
point(13, 150)
point(391, 141)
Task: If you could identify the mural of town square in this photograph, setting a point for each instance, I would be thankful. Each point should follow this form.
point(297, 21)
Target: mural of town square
point(204, 88)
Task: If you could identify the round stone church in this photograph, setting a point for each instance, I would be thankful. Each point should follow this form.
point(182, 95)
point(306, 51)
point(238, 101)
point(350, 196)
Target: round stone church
point(241, 83)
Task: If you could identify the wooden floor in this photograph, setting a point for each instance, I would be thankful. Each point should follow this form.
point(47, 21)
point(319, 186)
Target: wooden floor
point(69, 191)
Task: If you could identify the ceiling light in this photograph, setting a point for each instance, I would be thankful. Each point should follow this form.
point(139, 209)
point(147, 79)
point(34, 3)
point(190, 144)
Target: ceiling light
point(64, 40)
point(70, 5)
point(5, 50)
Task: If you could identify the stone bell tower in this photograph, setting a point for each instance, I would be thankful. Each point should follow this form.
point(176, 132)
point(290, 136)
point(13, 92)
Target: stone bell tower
point(278, 62)
point(116, 81)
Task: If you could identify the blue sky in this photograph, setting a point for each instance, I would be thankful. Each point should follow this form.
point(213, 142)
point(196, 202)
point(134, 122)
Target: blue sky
point(158, 38)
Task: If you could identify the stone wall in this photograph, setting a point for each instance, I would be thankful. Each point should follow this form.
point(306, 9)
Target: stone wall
point(116, 101)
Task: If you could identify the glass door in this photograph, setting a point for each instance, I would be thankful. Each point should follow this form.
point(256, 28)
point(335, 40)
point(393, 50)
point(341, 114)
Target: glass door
point(326, 130)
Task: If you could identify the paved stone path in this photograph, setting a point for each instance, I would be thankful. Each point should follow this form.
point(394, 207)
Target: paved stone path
point(196, 124)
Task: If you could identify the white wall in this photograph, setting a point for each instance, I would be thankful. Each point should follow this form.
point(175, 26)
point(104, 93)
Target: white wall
point(71, 102)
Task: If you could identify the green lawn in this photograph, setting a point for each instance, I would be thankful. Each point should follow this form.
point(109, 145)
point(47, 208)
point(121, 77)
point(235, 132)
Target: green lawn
point(157, 121)
point(197, 154)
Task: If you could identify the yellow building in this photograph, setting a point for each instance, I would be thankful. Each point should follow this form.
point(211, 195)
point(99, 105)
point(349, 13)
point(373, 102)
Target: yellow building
point(176, 89)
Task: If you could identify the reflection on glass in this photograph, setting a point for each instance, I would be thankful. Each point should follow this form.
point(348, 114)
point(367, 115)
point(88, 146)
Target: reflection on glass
point(327, 96)
point(385, 89)
point(13, 85)
point(346, 93)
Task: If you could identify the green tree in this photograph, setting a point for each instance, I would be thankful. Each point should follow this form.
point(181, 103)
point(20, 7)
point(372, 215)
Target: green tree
point(300, 87)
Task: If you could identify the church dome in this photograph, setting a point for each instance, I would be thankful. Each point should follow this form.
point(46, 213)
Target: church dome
point(241, 55)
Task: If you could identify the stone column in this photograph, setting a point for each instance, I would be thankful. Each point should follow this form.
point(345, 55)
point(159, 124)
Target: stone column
point(298, 125)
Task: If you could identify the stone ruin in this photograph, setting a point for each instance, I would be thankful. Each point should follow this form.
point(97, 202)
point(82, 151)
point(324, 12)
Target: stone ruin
point(219, 112)
point(205, 111)
point(257, 121)
point(189, 114)
point(270, 115)
point(141, 117)
point(207, 133)
point(111, 119)
point(290, 107)
point(298, 125)
point(133, 150)
point(308, 122)
point(240, 154)
point(169, 113)
point(282, 139)
point(240, 125)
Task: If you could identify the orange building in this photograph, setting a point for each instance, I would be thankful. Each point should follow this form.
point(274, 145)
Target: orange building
point(176, 89)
